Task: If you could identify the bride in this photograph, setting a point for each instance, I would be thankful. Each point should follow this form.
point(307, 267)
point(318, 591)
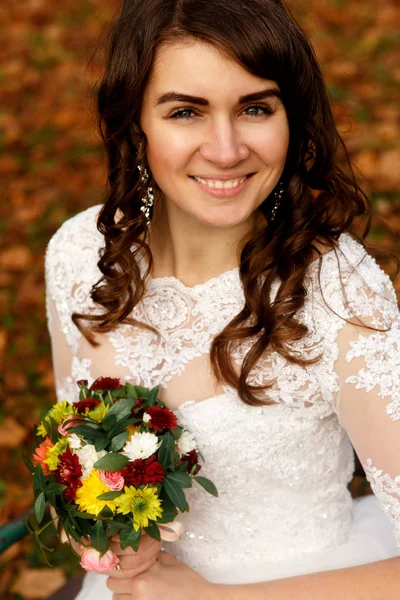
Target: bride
point(221, 267)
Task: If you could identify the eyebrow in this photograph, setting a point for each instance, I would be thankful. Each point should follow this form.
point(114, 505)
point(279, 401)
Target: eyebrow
point(254, 97)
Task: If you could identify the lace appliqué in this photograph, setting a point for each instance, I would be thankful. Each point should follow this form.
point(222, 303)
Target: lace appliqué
point(187, 319)
point(388, 492)
point(381, 353)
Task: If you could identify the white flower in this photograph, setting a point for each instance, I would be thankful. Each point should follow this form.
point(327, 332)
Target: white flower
point(186, 443)
point(88, 455)
point(141, 445)
point(74, 441)
point(146, 417)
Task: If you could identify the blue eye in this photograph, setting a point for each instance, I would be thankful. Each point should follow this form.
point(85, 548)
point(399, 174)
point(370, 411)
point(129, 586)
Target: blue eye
point(265, 110)
point(179, 114)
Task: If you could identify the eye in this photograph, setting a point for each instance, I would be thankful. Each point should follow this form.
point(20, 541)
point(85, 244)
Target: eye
point(182, 113)
point(266, 110)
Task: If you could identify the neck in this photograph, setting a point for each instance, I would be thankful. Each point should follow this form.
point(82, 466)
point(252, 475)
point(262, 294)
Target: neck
point(193, 252)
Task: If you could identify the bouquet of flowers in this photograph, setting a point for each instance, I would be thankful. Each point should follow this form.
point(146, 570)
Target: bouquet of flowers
point(115, 462)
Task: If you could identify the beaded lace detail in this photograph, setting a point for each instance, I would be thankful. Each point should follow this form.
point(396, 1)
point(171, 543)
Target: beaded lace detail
point(388, 490)
point(295, 456)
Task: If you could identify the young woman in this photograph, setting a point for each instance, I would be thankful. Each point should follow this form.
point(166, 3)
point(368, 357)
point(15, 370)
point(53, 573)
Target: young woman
point(222, 268)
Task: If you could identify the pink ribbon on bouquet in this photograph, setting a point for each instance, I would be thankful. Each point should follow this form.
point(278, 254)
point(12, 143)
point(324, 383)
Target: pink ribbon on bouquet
point(170, 532)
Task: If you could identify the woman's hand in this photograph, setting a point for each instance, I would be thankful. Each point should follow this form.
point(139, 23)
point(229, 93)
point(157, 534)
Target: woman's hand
point(131, 563)
point(167, 579)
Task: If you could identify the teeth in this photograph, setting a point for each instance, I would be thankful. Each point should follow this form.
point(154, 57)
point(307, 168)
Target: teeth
point(217, 184)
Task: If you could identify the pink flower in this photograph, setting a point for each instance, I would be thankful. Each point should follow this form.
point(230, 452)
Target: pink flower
point(92, 561)
point(113, 479)
point(67, 424)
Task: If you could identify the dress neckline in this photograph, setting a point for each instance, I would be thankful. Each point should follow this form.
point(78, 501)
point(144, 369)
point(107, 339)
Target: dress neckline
point(168, 279)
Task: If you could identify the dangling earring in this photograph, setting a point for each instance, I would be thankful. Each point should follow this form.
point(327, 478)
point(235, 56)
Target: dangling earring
point(277, 197)
point(148, 199)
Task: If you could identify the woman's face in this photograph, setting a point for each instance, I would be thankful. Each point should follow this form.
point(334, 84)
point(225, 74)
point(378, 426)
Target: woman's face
point(215, 152)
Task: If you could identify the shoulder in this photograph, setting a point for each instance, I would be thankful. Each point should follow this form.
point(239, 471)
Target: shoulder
point(72, 254)
point(350, 281)
point(79, 230)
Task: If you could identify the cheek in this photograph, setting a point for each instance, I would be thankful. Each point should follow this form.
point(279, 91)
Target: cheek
point(168, 152)
point(273, 143)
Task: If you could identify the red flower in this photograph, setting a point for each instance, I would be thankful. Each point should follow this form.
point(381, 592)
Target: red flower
point(69, 472)
point(143, 472)
point(105, 383)
point(161, 418)
point(192, 459)
point(88, 403)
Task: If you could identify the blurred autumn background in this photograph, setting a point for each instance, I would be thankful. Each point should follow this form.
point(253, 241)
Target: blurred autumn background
point(51, 167)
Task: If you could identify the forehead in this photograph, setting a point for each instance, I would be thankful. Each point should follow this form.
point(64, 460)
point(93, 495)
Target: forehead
point(199, 69)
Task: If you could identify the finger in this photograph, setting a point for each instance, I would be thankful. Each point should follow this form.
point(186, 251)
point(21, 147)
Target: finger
point(131, 573)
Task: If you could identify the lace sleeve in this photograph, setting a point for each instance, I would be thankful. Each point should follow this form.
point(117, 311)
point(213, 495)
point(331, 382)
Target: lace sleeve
point(368, 368)
point(70, 271)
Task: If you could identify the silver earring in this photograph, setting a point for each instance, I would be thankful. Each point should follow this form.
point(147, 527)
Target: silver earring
point(148, 199)
point(277, 197)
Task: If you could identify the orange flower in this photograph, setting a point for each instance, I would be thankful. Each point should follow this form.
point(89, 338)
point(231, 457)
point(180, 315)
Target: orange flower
point(41, 453)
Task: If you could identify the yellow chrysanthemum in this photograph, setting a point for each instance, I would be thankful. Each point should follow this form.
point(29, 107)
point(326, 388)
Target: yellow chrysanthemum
point(144, 504)
point(86, 495)
point(60, 411)
point(41, 430)
point(132, 430)
point(53, 458)
point(99, 412)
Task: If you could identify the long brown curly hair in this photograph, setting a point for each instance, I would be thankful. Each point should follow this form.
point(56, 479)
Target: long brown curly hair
point(321, 199)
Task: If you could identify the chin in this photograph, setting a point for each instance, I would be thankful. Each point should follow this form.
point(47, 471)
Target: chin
point(224, 219)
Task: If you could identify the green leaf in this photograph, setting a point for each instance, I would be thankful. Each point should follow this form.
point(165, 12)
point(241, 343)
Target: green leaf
point(40, 503)
point(39, 483)
point(180, 478)
point(51, 427)
point(166, 451)
point(130, 391)
point(182, 466)
point(86, 431)
point(119, 410)
point(101, 444)
point(110, 495)
point(105, 513)
point(142, 392)
point(98, 537)
point(175, 494)
point(84, 515)
point(152, 400)
point(153, 531)
point(111, 462)
point(130, 539)
point(55, 488)
point(207, 485)
point(169, 511)
point(121, 426)
point(28, 463)
point(119, 441)
point(70, 531)
point(113, 527)
point(176, 432)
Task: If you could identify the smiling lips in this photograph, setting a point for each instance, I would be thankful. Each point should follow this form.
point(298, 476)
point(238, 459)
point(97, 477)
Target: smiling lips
point(224, 187)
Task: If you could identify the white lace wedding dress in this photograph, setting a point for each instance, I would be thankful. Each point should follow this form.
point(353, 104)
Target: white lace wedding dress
point(282, 471)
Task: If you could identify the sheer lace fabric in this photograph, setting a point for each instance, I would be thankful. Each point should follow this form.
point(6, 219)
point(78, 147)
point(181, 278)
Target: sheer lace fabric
point(282, 470)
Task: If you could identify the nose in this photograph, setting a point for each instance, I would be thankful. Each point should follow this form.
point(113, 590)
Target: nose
point(223, 145)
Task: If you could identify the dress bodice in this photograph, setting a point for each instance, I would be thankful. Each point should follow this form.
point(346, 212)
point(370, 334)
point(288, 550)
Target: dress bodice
point(282, 470)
